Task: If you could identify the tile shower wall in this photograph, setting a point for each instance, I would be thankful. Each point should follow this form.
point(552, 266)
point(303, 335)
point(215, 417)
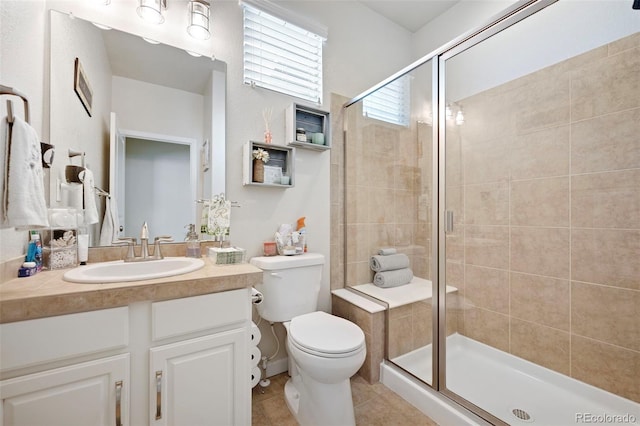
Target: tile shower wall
point(388, 204)
point(544, 180)
point(388, 194)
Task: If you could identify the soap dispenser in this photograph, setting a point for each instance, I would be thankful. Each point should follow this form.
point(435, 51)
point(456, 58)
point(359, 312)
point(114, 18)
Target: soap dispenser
point(193, 244)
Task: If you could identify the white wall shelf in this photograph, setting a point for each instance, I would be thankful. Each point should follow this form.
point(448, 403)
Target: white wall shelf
point(312, 121)
point(280, 157)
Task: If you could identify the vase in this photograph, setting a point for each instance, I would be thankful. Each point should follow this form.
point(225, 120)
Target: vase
point(258, 171)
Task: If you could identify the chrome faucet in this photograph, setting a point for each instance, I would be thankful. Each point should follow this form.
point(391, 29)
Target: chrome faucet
point(144, 242)
point(157, 254)
point(144, 246)
point(130, 242)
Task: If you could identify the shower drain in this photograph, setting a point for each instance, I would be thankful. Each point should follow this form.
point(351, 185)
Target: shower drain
point(522, 415)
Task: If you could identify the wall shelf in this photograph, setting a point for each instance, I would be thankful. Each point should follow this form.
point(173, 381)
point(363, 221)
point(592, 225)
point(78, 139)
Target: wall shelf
point(312, 121)
point(281, 162)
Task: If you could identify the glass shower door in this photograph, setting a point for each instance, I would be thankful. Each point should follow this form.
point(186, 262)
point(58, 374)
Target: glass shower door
point(541, 192)
point(388, 202)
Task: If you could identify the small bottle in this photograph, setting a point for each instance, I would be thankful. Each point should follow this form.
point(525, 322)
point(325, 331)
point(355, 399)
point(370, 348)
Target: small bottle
point(193, 244)
point(301, 135)
point(83, 246)
point(37, 250)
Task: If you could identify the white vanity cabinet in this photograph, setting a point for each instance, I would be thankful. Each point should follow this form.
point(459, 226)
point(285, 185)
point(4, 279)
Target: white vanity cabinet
point(48, 388)
point(89, 393)
point(202, 380)
point(175, 362)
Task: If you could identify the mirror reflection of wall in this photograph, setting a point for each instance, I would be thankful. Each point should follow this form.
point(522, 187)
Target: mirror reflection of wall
point(156, 91)
point(157, 173)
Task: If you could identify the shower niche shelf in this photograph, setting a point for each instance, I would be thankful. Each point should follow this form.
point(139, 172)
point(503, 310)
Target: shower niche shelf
point(312, 121)
point(281, 161)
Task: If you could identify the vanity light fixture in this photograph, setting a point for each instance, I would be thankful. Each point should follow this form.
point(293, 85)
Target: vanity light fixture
point(151, 10)
point(199, 19)
point(448, 112)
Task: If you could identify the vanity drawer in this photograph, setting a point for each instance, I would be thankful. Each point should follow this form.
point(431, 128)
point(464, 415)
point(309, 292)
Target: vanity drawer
point(32, 342)
point(192, 314)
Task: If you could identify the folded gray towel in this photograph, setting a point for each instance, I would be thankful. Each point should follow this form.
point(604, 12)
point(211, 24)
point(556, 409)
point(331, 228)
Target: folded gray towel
point(386, 251)
point(393, 278)
point(389, 263)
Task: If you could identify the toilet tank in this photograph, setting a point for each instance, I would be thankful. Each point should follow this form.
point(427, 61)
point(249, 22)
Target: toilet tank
point(290, 285)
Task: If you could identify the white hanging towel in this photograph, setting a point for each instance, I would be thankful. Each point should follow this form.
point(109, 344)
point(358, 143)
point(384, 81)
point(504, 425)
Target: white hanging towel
point(90, 208)
point(110, 224)
point(25, 205)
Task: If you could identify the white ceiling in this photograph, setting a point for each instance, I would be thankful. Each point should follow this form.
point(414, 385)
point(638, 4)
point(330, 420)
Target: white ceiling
point(410, 14)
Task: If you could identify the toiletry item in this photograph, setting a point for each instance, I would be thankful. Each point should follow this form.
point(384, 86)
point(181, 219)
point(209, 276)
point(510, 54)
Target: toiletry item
point(34, 251)
point(61, 250)
point(27, 269)
point(83, 248)
point(302, 229)
point(269, 248)
point(193, 244)
point(301, 135)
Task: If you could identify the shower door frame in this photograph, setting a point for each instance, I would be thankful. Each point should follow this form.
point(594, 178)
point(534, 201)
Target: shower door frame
point(444, 224)
point(505, 19)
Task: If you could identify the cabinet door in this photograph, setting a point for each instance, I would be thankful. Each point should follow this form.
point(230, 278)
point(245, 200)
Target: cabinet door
point(202, 381)
point(91, 393)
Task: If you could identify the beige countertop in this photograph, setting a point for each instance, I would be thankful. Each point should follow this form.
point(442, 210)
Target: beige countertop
point(47, 294)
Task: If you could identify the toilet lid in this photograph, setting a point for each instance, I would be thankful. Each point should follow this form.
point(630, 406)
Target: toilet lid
point(325, 333)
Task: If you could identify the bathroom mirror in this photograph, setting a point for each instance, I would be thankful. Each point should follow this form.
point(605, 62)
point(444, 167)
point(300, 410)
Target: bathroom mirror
point(155, 113)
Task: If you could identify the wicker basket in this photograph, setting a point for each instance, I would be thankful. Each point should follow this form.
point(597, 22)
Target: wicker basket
point(258, 171)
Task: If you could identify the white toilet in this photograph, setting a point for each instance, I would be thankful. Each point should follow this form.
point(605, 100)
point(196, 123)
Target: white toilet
point(324, 350)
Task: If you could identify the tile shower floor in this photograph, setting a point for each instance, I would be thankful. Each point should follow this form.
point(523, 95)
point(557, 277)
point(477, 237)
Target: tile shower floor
point(375, 405)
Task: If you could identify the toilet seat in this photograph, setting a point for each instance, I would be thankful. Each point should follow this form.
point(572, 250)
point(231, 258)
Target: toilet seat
point(325, 335)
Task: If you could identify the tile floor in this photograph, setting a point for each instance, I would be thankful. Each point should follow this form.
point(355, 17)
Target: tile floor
point(375, 405)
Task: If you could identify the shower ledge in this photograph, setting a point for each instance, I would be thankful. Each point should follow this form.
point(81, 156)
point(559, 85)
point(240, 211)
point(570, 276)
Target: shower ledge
point(418, 289)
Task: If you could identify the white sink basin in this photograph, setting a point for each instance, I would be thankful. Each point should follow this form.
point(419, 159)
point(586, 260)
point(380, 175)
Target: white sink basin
point(120, 271)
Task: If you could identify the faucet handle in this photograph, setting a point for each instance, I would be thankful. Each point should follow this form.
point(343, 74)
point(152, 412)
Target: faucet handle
point(129, 241)
point(157, 254)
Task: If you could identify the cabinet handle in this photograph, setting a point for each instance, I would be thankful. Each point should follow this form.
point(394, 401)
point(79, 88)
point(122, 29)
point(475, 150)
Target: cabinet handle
point(158, 395)
point(119, 403)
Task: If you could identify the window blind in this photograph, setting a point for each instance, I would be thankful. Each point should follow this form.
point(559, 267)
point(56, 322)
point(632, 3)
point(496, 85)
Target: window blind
point(390, 103)
point(281, 56)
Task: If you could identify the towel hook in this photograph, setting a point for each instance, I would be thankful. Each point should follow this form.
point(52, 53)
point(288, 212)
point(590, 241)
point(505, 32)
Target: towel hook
point(73, 153)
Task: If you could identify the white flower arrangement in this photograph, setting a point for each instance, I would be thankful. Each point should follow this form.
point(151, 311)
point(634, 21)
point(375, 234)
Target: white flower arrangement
point(261, 154)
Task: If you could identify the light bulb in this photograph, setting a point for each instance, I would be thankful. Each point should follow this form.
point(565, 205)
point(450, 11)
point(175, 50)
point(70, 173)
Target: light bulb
point(198, 20)
point(151, 11)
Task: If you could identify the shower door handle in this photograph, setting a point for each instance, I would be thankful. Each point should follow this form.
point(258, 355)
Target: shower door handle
point(448, 221)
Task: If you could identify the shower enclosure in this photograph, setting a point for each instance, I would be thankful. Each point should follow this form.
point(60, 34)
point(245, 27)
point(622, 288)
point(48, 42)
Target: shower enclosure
point(506, 165)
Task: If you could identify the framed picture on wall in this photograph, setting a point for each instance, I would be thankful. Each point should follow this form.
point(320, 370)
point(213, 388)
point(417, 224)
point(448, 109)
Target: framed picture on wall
point(82, 87)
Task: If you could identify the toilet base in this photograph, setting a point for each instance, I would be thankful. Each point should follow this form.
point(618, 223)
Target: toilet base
point(292, 398)
point(320, 405)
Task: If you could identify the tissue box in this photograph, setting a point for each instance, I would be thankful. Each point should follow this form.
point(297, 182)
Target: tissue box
point(227, 255)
